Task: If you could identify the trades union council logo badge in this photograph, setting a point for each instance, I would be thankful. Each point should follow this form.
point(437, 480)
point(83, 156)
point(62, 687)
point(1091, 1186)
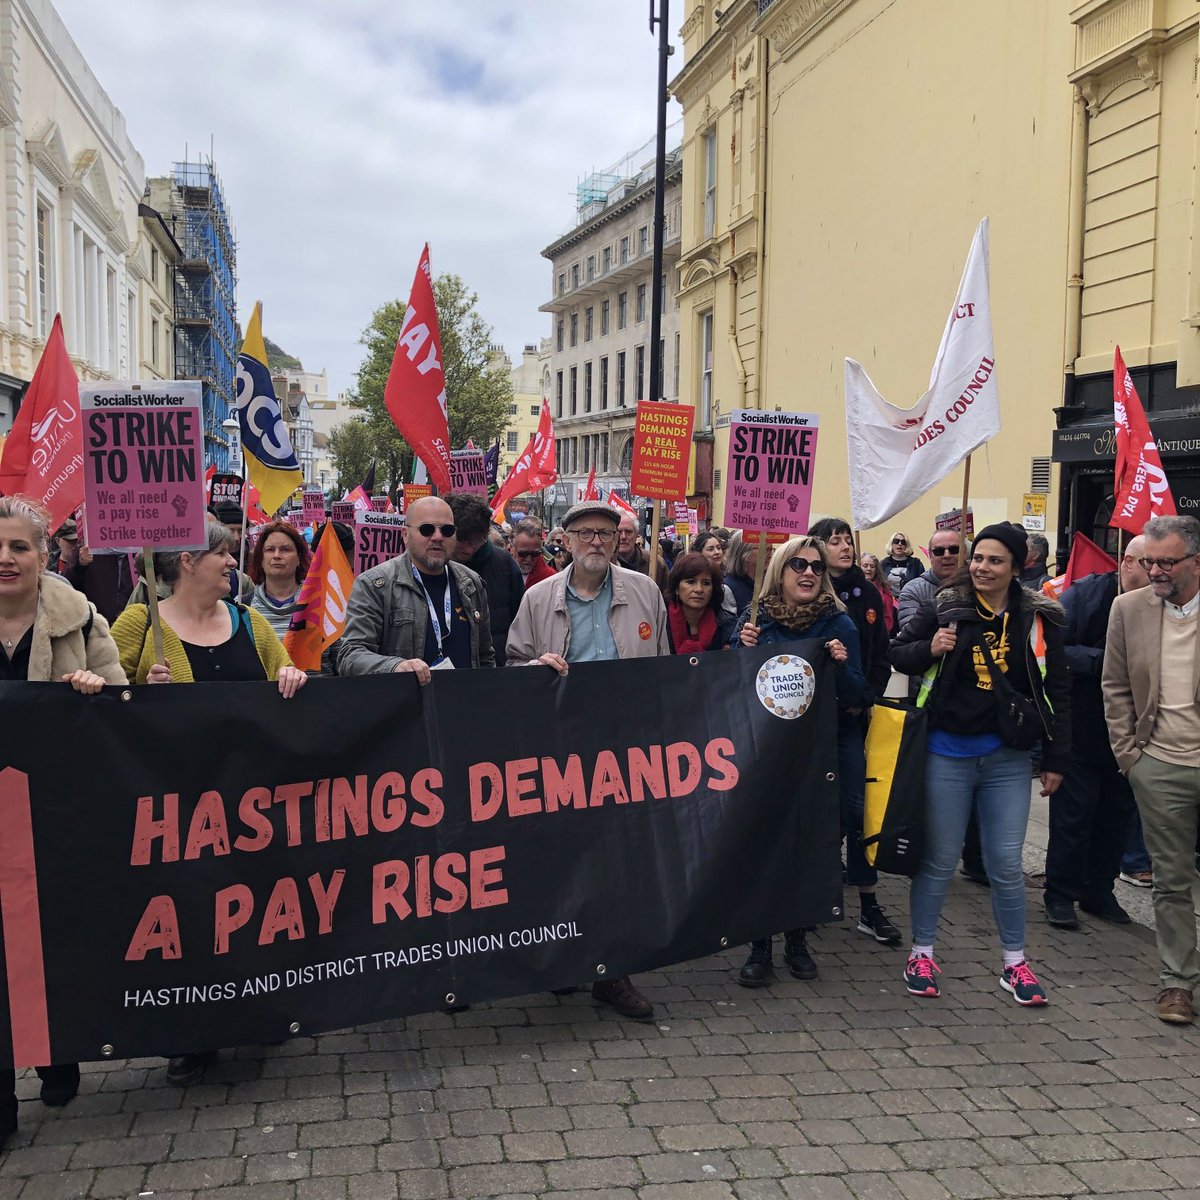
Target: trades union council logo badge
point(785, 684)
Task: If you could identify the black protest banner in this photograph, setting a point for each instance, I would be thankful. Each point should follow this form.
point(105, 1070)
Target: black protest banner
point(226, 489)
point(372, 849)
point(378, 536)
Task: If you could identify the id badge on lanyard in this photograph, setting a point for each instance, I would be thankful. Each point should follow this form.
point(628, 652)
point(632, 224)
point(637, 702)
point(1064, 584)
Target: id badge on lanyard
point(433, 617)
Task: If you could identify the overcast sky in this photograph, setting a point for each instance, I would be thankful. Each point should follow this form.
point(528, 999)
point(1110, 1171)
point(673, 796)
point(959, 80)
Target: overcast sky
point(348, 134)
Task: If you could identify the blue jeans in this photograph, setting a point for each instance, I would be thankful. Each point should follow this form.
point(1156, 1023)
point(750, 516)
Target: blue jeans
point(997, 786)
point(1137, 857)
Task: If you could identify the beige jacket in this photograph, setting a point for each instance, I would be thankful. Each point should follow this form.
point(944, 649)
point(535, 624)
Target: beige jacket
point(637, 618)
point(59, 647)
point(1130, 681)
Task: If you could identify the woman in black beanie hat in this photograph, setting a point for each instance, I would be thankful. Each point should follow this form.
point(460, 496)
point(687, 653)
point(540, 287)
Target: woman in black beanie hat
point(995, 680)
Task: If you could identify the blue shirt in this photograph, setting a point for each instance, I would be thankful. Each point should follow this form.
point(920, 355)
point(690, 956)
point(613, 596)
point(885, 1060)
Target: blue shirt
point(591, 634)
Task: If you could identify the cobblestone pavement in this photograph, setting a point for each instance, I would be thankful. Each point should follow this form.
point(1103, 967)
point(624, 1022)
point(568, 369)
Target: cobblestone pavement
point(842, 1088)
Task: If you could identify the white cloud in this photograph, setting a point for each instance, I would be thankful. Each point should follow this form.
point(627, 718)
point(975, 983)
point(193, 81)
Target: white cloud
point(347, 135)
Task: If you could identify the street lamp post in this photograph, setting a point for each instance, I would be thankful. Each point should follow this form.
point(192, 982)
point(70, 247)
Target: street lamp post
point(660, 183)
point(234, 433)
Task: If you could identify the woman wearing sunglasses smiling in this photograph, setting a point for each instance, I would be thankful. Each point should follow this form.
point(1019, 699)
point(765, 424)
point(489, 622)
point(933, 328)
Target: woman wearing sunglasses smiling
point(798, 601)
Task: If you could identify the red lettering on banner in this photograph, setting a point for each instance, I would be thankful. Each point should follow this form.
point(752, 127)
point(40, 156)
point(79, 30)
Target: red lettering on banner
point(518, 783)
point(459, 879)
point(249, 814)
point(424, 783)
point(283, 914)
point(446, 872)
point(683, 783)
point(646, 770)
point(606, 781)
point(485, 808)
point(290, 795)
point(484, 875)
point(387, 802)
point(147, 829)
point(349, 802)
point(158, 930)
point(563, 785)
point(718, 755)
point(325, 897)
point(207, 829)
point(234, 907)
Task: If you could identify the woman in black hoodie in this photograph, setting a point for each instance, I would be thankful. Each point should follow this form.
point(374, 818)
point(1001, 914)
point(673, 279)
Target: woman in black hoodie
point(865, 608)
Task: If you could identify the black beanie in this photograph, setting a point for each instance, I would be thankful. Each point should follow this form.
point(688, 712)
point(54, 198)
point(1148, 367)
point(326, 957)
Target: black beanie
point(228, 513)
point(1013, 540)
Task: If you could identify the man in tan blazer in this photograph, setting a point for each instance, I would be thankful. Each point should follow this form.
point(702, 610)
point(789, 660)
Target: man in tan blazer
point(1151, 688)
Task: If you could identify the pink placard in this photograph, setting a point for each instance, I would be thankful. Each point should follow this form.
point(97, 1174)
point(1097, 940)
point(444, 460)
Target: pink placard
point(343, 511)
point(144, 468)
point(377, 538)
point(769, 479)
point(314, 507)
point(467, 472)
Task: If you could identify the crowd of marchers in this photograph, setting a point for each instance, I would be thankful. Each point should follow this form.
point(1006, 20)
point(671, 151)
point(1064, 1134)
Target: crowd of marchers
point(1109, 678)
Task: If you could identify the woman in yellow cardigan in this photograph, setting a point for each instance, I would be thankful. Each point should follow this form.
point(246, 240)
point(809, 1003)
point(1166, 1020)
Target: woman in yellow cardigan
point(206, 636)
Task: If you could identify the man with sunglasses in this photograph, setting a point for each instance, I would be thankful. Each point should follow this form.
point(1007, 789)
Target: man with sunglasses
point(528, 552)
point(945, 558)
point(1151, 683)
point(594, 611)
point(422, 611)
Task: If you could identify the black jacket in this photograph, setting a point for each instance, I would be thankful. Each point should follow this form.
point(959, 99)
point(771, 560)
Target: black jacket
point(910, 653)
point(865, 607)
point(1087, 604)
point(505, 586)
point(726, 622)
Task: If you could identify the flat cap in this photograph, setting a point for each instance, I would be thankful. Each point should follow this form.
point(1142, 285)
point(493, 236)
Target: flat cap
point(590, 508)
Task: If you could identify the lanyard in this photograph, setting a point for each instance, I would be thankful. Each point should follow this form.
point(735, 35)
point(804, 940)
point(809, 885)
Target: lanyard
point(433, 617)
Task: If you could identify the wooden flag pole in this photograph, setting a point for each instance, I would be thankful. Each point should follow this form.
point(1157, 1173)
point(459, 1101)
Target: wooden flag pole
point(655, 518)
point(1120, 558)
point(962, 520)
point(152, 601)
point(760, 567)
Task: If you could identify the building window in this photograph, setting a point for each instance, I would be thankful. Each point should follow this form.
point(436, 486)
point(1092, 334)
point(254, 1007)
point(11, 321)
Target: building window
point(604, 452)
point(588, 314)
point(643, 239)
point(639, 312)
point(574, 329)
point(621, 379)
point(604, 307)
point(591, 267)
point(45, 269)
point(535, 410)
point(512, 410)
point(624, 250)
point(639, 372)
point(706, 371)
point(710, 184)
point(558, 391)
point(562, 283)
point(574, 389)
point(154, 342)
point(575, 276)
point(604, 382)
point(153, 266)
point(663, 298)
point(622, 309)
point(558, 335)
point(511, 442)
point(606, 259)
point(587, 387)
point(675, 391)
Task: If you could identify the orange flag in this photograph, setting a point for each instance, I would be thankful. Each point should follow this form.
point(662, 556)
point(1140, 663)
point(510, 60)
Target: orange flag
point(320, 620)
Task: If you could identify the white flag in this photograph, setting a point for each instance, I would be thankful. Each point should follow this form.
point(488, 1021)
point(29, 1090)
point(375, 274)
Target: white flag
point(898, 454)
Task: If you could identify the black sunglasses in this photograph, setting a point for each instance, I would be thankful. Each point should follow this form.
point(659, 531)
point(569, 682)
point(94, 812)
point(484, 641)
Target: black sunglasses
point(938, 551)
point(427, 529)
point(800, 565)
point(528, 553)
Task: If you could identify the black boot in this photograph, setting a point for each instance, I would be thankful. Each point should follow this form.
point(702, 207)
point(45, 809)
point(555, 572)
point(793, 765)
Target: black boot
point(758, 968)
point(60, 1084)
point(797, 957)
point(8, 1118)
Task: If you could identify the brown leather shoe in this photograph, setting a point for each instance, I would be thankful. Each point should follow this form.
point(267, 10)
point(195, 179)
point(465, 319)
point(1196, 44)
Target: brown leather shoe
point(1174, 1005)
point(624, 997)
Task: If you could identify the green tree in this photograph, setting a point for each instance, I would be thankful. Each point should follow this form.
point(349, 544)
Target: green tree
point(478, 399)
point(351, 446)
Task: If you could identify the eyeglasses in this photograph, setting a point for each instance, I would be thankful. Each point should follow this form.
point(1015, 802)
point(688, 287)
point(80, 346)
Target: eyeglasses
point(603, 536)
point(426, 531)
point(1163, 564)
point(899, 542)
point(938, 551)
point(528, 553)
point(800, 565)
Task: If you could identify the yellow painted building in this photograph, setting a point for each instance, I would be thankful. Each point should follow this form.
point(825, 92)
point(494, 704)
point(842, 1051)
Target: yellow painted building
point(838, 155)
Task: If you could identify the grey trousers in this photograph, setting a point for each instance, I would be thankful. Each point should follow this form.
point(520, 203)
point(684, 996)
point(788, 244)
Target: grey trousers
point(1168, 798)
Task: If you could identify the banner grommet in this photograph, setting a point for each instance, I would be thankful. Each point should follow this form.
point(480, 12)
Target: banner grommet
point(601, 969)
point(127, 695)
point(693, 661)
point(107, 1051)
point(723, 943)
point(830, 776)
point(451, 998)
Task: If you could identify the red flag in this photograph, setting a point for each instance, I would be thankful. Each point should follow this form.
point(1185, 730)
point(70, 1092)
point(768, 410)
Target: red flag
point(321, 617)
point(358, 498)
point(254, 511)
point(622, 506)
point(589, 492)
point(1086, 559)
point(416, 387)
point(535, 469)
point(208, 478)
point(1140, 489)
point(43, 456)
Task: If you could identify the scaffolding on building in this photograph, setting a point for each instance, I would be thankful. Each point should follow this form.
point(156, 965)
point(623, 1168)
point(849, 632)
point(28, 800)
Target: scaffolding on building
point(205, 297)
